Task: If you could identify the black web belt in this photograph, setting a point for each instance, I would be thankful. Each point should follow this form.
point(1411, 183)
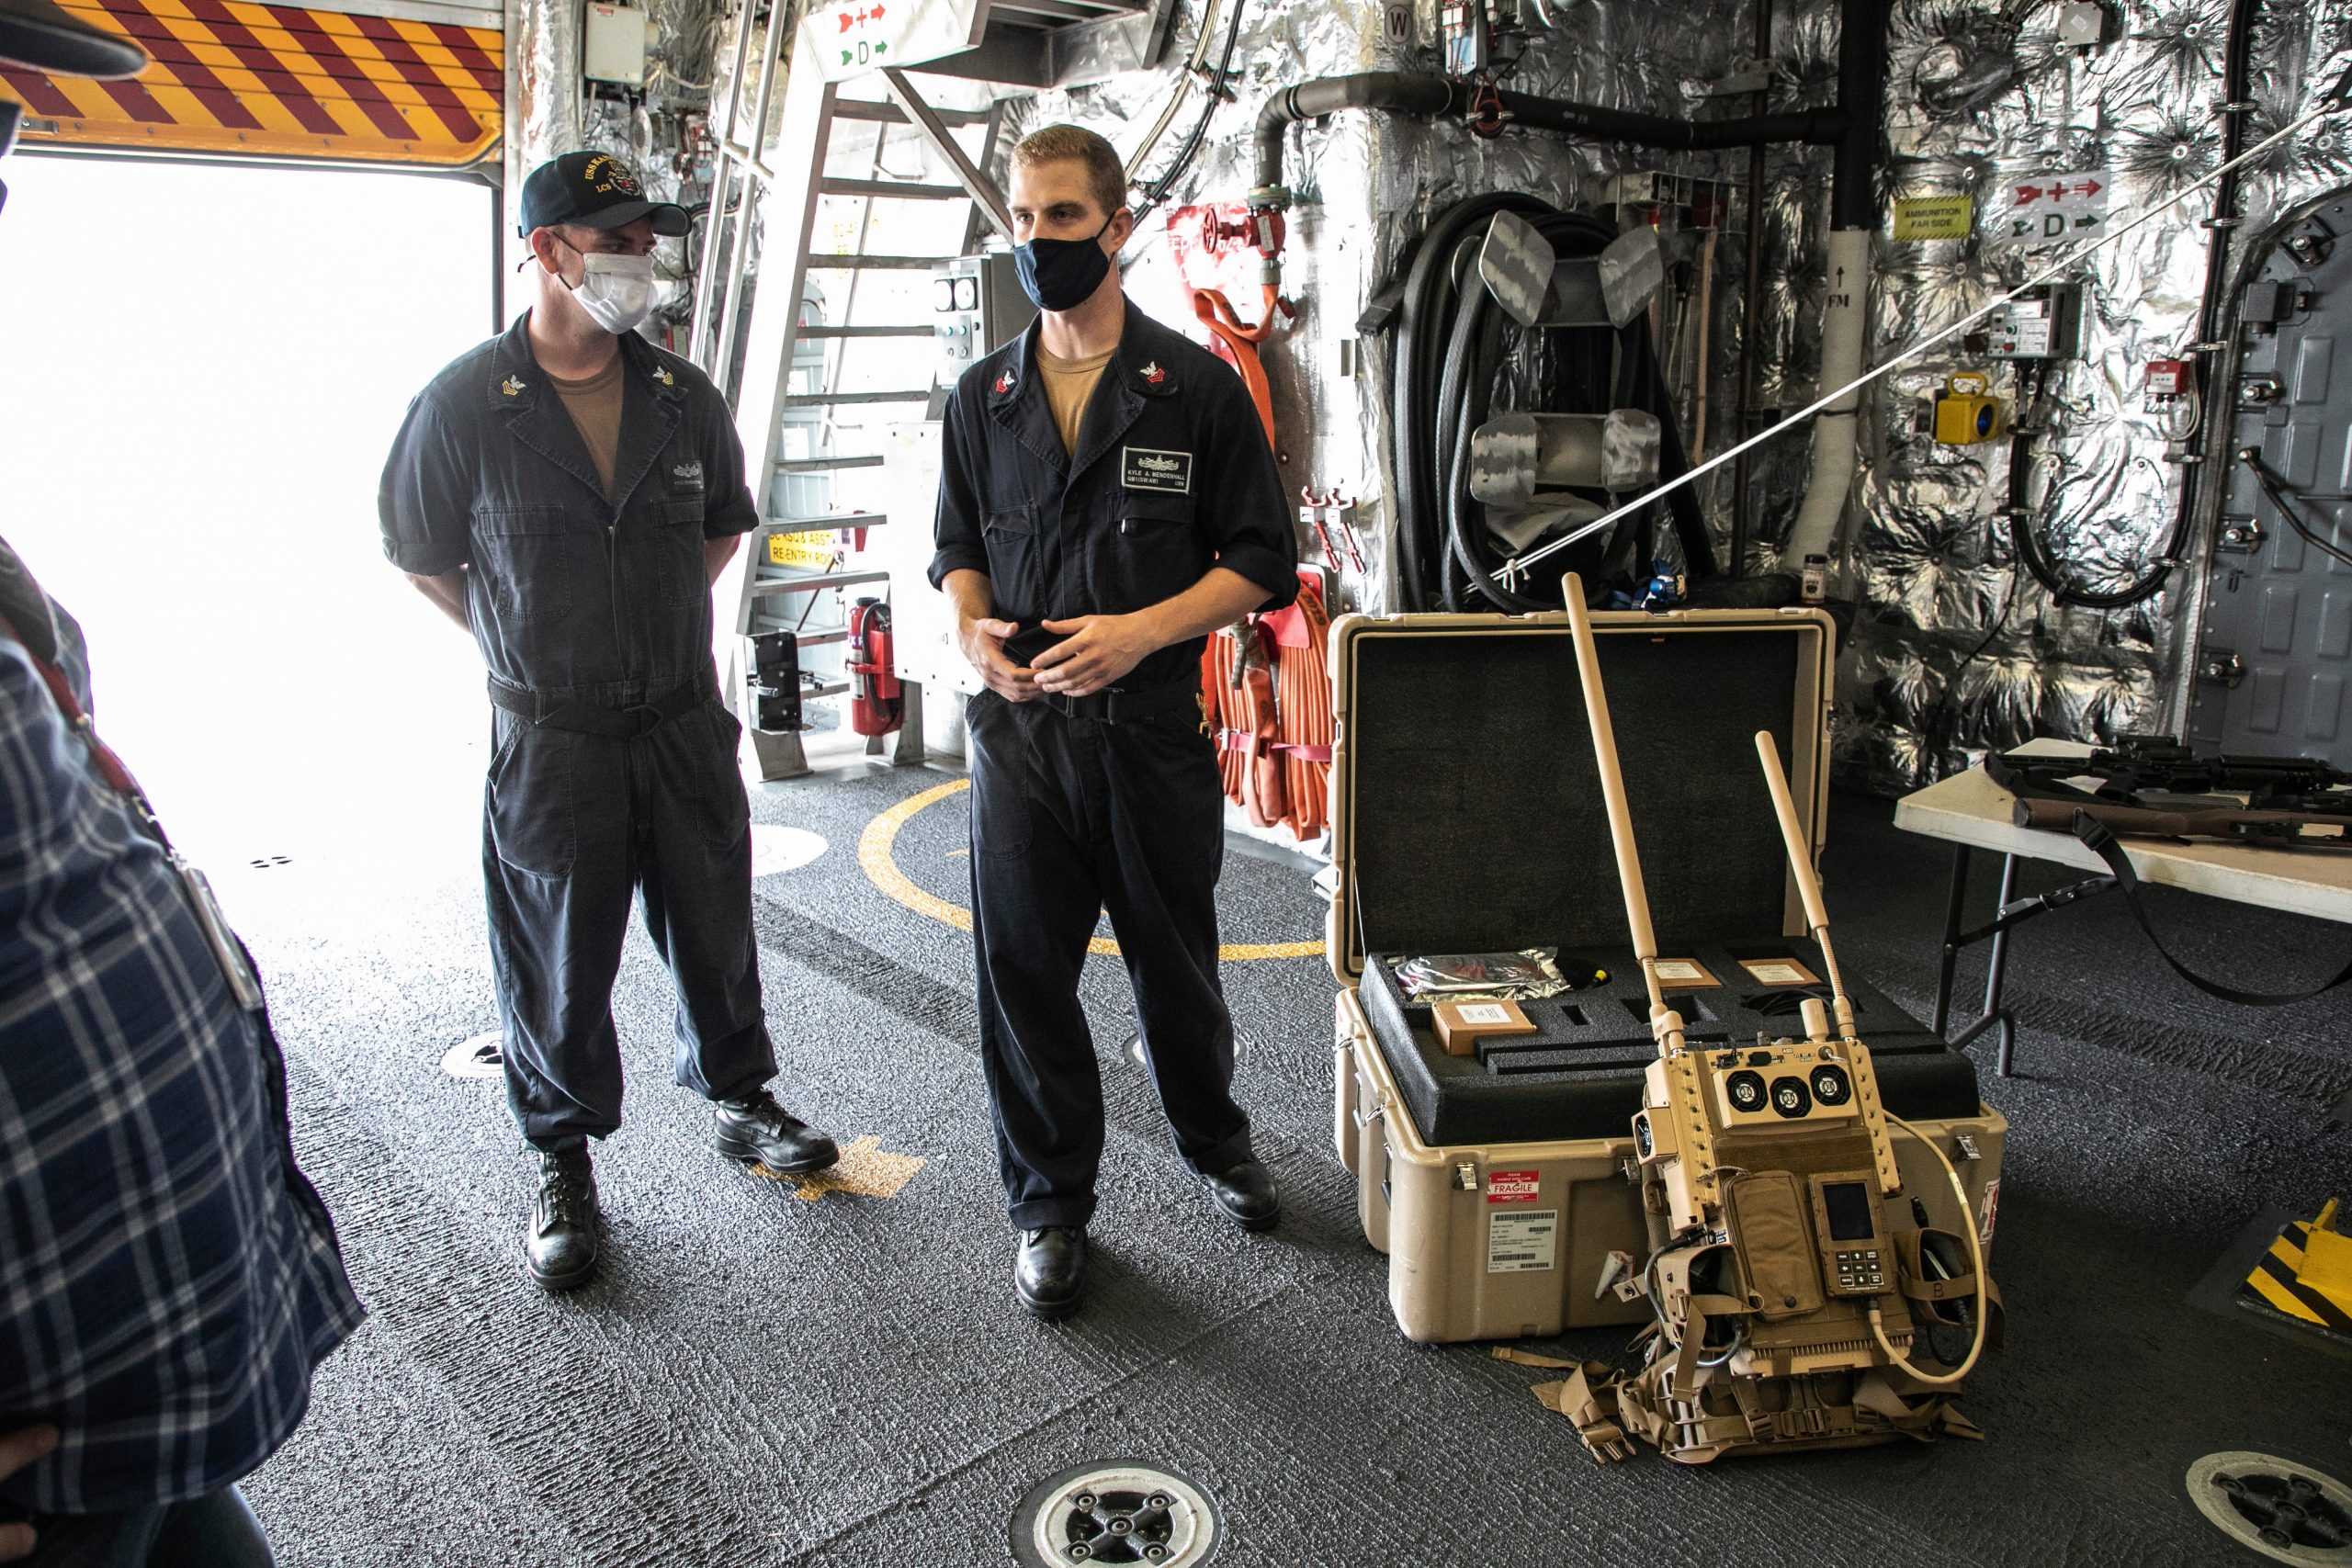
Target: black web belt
point(590, 718)
point(1116, 706)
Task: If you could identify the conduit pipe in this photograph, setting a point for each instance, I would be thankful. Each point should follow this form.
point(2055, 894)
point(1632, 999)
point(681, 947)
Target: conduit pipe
point(1845, 314)
point(1404, 92)
point(1853, 224)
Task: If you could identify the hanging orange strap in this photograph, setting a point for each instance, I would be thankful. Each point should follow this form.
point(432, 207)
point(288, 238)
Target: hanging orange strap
point(1215, 312)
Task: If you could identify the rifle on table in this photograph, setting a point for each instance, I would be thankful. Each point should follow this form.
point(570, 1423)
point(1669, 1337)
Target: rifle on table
point(2291, 802)
point(2152, 785)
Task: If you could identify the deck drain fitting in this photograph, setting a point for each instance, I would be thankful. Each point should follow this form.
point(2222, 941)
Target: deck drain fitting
point(1114, 1511)
point(2289, 1513)
point(480, 1057)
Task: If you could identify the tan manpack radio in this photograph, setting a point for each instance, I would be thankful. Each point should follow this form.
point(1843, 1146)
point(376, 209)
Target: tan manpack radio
point(1789, 1286)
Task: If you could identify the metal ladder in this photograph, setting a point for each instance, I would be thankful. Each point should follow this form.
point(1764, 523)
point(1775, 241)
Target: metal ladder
point(802, 373)
point(794, 349)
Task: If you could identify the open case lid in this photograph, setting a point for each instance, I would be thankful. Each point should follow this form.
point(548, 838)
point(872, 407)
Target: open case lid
point(1466, 805)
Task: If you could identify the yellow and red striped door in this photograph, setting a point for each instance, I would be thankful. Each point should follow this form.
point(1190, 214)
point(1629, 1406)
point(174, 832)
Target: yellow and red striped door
point(278, 81)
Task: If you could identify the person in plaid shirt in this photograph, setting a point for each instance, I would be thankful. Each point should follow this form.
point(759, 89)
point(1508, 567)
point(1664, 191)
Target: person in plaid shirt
point(168, 1278)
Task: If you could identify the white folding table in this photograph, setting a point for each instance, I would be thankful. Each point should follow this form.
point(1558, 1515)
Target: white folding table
point(1973, 813)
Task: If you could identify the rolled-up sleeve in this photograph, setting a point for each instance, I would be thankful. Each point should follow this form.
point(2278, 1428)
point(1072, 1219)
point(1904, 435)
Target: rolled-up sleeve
point(428, 520)
point(957, 527)
point(731, 508)
point(1248, 522)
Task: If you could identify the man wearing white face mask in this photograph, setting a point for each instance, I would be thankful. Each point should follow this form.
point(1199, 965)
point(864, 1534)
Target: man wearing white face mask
point(568, 492)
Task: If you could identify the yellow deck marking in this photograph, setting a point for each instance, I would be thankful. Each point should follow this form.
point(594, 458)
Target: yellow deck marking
point(864, 1169)
point(881, 869)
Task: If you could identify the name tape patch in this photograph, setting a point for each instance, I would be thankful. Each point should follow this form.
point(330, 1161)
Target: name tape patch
point(1141, 468)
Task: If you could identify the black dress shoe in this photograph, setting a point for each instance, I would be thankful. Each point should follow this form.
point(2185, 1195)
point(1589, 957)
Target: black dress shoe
point(754, 1128)
point(560, 1251)
point(1246, 1194)
point(1050, 1272)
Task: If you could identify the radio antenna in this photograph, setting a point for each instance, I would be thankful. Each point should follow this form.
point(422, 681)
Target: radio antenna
point(1665, 1023)
point(1816, 914)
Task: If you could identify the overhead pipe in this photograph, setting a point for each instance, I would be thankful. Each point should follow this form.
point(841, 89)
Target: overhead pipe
point(1405, 92)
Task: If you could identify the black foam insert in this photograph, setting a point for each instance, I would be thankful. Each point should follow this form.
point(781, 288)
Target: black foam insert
point(1476, 816)
point(1579, 1075)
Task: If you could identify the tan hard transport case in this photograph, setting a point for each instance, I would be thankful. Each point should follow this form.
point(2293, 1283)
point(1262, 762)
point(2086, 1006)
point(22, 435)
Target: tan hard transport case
point(1504, 1238)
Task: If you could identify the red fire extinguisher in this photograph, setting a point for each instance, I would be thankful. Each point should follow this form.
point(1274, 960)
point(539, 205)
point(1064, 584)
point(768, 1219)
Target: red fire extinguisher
point(876, 705)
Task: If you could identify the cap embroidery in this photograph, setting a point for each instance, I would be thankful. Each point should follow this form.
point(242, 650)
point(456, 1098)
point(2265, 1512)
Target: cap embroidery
point(1153, 373)
point(606, 173)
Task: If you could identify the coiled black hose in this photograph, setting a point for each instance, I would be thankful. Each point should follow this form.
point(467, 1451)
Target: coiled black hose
point(1451, 326)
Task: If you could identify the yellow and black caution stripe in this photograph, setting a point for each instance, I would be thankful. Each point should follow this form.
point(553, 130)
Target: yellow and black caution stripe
point(278, 81)
point(2277, 1284)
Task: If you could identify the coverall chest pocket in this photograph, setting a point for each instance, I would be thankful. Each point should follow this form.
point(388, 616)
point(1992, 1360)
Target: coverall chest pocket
point(526, 552)
point(1154, 549)
point(1016, 569)
point(679, 577)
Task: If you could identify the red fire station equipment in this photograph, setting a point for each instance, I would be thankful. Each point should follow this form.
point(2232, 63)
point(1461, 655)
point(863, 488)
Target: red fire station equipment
point(876, 706)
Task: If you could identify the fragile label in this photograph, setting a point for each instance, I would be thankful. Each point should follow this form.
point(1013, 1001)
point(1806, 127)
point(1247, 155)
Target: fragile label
point(1522, 1244)
point(1933, 217)
point(1512, 1186)
point(1779, 972)
point(2049, 210)
point(1483, 1012)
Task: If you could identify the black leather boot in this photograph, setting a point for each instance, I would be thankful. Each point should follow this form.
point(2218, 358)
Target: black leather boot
point(754, 1128)
point(560, 1251)
point(1050, 1274)
point(1246, 1194)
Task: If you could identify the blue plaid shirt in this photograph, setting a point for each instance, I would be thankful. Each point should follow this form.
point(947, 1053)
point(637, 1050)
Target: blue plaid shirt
point(168, 1278)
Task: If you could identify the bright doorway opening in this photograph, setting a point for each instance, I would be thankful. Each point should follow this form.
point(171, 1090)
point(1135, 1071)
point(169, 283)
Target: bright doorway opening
point(205, 367)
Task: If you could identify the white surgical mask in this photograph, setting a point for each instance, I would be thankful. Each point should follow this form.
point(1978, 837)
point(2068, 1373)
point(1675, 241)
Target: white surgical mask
point(616, 292)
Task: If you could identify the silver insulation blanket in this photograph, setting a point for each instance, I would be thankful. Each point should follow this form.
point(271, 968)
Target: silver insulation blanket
point(1950, 632)
point(1950, 635)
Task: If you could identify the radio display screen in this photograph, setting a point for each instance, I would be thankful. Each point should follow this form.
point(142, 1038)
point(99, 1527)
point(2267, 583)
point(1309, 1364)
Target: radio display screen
point(1848, 1207)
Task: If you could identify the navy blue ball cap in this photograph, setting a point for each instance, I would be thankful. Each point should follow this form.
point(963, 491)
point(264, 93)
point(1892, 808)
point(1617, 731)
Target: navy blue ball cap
point(594, 190)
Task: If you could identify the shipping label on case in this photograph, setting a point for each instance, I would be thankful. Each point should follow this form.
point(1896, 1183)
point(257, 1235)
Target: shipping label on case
point(1522, 1243)
point(1512, 1186)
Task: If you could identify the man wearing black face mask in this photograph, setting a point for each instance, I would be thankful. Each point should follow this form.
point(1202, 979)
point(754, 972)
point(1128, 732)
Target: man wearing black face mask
point(1106, 500)
point(568, 492)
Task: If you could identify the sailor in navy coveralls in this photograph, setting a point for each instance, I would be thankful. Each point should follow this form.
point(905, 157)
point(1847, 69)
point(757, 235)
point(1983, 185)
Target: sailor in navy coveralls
point(1107, 499)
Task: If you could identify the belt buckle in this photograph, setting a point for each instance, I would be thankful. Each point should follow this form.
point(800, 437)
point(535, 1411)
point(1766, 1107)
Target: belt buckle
point(1061, 702)
point(646, 716)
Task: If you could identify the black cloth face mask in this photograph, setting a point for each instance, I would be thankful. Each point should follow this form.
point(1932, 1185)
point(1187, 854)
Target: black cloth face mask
point(1060, 275)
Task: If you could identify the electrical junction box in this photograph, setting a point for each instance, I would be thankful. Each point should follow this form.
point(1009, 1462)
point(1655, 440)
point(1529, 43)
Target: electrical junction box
point(2083, 23)
point(2170, 377)
point(614, 43)
point(977, 306)
point(2046, 324)
point(1965, 413)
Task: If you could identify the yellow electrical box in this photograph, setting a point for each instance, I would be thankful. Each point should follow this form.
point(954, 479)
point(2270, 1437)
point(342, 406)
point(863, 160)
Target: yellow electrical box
point(1966, 411)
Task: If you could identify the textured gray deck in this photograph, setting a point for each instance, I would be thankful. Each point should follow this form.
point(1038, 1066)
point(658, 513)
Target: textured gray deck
point(760, 1379)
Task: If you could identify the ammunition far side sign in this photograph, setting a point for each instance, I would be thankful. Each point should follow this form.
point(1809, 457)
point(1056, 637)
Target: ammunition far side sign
point(851, 38)
point(2049, 210)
